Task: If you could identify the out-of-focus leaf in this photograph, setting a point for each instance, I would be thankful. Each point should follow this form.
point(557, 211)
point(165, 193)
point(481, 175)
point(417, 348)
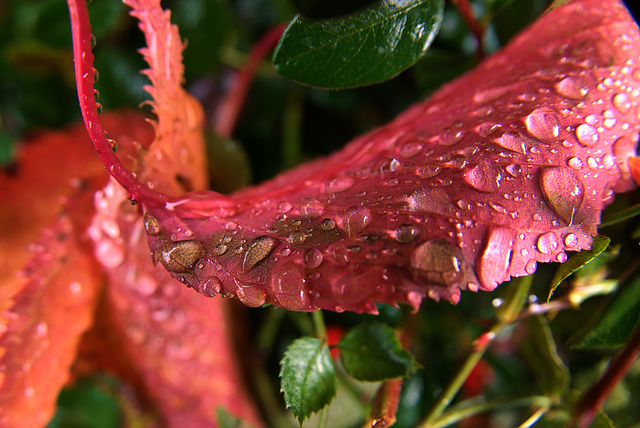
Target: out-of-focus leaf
point(372, 352)
point(616, 323)
point(623, 215)
point(577, 261)
point(228, 164)
point(541, 351)
point(227, 420)
point(308, 378)
point(86, 405)
point(368, 47)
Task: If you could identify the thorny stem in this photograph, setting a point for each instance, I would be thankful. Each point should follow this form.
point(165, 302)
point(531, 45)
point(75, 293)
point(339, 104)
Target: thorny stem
point(85, 79)
point(594, 398)
point(505, 315)
point(465, 10)
point(229, 109)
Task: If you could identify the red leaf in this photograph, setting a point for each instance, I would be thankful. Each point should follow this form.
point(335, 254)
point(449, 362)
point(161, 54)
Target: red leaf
point(505, 167)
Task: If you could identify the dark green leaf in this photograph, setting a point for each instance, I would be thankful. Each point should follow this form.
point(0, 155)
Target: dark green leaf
point(620, 216)
point(323, 9)
point(540, 349)
point(617, 321)
point(308, 378)
point(87, 404)
point(372, 352)
point(368, 47)
point(577, 261)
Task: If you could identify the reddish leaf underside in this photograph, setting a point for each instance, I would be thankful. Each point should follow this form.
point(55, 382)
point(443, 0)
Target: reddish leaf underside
point(501, 169)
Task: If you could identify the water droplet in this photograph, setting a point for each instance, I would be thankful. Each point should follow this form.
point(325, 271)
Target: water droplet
point(252, 295)
point(178, 257)
point(513, 141)
point(113, 144)
point(394, 165)
point(311, 208)
point(561, 257)
point(622, 102)
point(495, 261)
point(486, 176)
point(410, 149)
point(405, 233)
point(297, 238)
point(587, 134)
point(571, 240)
point(592, 162)
point(288, 282)
point(98, 108)
point(562, 190)
point(151, 225)
point(340, 184)
point(312, 258)
point(451, 136)
point(514, 170)
point(285, 207)
point(439, 262)
point(428, 171)
point(430, 200)
point(220, 249)
point(547, 243)
point(211, 287)
point(543, 123)
point(96, 75)
point(531, 267)
point(258, 250)
point(93, 41)
point(354, 219)
point(575, 163)
point(327, 224)
point(572, 87)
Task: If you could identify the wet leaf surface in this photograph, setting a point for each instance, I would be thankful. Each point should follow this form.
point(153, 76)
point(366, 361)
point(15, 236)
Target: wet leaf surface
point(504, 168)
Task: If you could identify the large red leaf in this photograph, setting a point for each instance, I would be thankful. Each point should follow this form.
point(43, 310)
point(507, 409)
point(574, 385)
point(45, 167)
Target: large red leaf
point(504, 168)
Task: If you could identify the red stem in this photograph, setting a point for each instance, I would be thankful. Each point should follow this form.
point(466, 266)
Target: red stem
point(84, 72)
point(465, 10)
point(229, 109)
point(594, 398)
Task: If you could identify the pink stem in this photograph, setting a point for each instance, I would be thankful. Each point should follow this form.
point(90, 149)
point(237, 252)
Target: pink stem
point(464, 8)
point(85, 79)
point(229, 109)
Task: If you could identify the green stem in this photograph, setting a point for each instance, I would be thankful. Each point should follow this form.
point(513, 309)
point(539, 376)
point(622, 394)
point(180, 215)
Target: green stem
point(324, 418)
point(505, 315)
point(614, 218)
point(473, 407)
point(318, 323)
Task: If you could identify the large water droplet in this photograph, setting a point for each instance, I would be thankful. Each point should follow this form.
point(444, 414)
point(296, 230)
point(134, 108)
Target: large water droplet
point(439, 262)
point(178, 256)
point(211, 286)
point(495, 261)
point(543, 123)
point(252, 295)
point(428, 171)
point(151, 225)
point(587, 134)
point(354, 219)
point(405, 233)
point(312, 258)
point(575, 163)
point(410, 149)
point(572, 87)
point(547, 243)
point(562, 190)
point(289, 285)
point(486, 176)
point(429, 200)
point(311, 208)
point(451, 136)
point(340, 183)
point(514, 141)
point(622, 102)
point(258, 250)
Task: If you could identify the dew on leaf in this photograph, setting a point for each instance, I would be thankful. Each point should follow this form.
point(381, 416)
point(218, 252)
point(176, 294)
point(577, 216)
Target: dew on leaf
point(258, 250)
point(543, 123)
point(562, 190)
point(354, 219)
point(495, 261)
point(289, 284)
point(151, 225)
point(178, 257)
point(410, 149)
point(486, 177)
point(587, 134)
point(439, 262)
point(572, 87)
point(547, 243)
point(513, 141)
point(451, 136)
point(575, 163)
point(312, 258)
point(340, 183)
point(405, 233)
point(622, 102)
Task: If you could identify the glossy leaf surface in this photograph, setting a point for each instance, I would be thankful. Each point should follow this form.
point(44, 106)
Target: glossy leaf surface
point(308, 377)
point(366, 47)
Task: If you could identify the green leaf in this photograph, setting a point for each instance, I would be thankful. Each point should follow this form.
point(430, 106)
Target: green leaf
point(372, 352)
point(542, 356)
point(617, 321)
point(620, 216)
point(361, 49)
point(87, 404)
point(577, 261)
point(308, 377)
point(227, 420)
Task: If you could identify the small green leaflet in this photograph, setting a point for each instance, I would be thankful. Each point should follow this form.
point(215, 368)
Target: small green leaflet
point(367, 47)
point(308, 378)
point(577, 261)
point(372, 352)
